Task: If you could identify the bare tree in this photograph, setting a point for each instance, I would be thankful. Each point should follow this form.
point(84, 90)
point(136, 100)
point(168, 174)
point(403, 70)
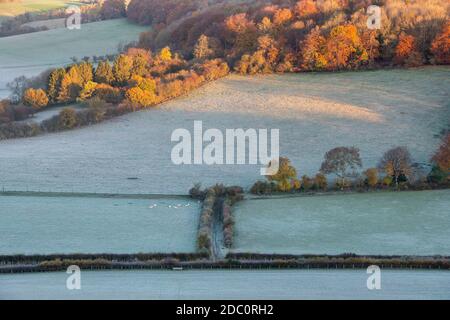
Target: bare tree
point(342, 161)
point(17, 88)
point(396, 162)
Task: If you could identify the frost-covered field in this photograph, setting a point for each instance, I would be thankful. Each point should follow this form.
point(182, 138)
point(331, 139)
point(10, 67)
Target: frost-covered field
point(411, 223)
point(32, 225)
point(228, 284)
point(314, 112)
point(50, 112)
point(49, 24)
point(29, 54)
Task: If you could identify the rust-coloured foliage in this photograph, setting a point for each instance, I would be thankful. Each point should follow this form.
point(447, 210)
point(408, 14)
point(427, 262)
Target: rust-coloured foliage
point(440, 47)
point(442, 156)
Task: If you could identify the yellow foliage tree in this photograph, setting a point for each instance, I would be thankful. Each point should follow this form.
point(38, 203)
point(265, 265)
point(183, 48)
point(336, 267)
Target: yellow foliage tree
point(139, 97)
point(165, 54)
point(36, 98)
point(286, 177)
point(88, 90)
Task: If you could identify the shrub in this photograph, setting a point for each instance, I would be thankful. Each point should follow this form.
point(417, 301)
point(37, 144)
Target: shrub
point(440, 47)
point(307, 183)
point(343, 184)
point(18, 130)
point(406, 52)
point(204, 234)
point(387, 181)
point(320, 181)
point(263, 187)
point(21, 112)
point(203, 242)
point(196, 192)
point(442, 156)
point(141, 98)
point(371, 175)
point(108, 93)
point(285, 186)
point(67, 119)
point(96, 103)
point(146, 84)
point(396, 163)
point(437, 175)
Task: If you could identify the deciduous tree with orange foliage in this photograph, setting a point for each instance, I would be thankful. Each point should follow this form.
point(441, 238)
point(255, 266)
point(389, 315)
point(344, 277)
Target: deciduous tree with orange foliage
point(144, 98)
point(406, 52)
point(243, 33)
point(141, 60)
point(440, 48)
point(344, 49)
point(305, 8)
point(442, 156)
point(282, 16)
point(112, 9)
point(341, 49)
point(122, 69)
point(313, 51)
point(36, 98)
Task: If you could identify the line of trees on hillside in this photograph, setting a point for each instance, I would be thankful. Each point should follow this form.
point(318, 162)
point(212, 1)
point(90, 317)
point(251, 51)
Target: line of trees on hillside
point(136, 79)
point(285, 36)
point(395, 169)
point(91, 11)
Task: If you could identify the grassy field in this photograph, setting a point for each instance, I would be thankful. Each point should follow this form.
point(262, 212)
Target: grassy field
point(11, 9)
point(43, 225)
point(228, 284)
point(411, 223)
point(29, 54)
point(314, 112)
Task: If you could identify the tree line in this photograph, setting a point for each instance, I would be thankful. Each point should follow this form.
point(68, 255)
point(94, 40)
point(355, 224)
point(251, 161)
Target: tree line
point(395, 169)
point(136, 79)
point(306, 35)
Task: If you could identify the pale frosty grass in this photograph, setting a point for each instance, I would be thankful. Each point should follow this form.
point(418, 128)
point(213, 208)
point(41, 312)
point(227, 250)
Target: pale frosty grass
point(410, 223)
point(315, 112)
point(49, 24)
point(50, 112)
point(45, 225)
point(29, 54)
point(228, 284)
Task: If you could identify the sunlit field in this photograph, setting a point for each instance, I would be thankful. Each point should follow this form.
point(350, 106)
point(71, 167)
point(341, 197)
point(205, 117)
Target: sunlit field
point(315, 112)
